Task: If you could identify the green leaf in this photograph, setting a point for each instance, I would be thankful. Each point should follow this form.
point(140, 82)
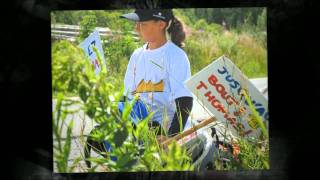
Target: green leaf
point(91, 111)
point(83, 93)
point(126, 162)
point(142, 127)
point(120, 136)
point(256, 115)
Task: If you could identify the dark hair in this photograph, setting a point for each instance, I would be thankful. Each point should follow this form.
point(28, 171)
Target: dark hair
point(177, 32)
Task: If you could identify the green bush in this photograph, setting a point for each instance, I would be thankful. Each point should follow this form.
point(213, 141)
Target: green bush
point(67, 64)
point(87, 25)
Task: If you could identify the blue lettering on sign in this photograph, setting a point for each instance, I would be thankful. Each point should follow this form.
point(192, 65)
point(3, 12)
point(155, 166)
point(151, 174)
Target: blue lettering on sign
point(236, 85)
point(89, 51)
point(223, 71)
point(232, 83)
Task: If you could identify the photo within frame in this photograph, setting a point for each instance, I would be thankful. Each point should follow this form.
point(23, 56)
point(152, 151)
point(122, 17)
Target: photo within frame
point(160, 90)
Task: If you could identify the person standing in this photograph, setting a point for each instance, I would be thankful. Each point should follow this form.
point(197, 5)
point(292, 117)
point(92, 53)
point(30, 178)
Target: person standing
point(156, 71)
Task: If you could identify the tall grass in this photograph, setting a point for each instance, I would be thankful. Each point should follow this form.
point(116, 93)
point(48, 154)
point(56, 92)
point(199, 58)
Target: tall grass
point(206, 42)
point(249, 55)
point(253, 152)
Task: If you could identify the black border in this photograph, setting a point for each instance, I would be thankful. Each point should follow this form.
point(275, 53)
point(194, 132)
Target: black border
point(25, 77)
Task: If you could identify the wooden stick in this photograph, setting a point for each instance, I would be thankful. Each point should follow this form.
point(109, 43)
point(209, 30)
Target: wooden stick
point(189, 131)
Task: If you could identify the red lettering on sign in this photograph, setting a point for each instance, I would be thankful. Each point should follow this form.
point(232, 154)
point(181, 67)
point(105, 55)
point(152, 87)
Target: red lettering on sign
point(215, 103)
point(212, 80)
point(221, 90)
point(229, 100)
point(234, 100)
point(224, 94)
point(208, 94)
point(232, 121)
point(202, 84)
point(96, 63)
point(236, 113)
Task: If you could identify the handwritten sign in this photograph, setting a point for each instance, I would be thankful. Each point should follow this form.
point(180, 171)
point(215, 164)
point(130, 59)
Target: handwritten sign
point(218, 87)
point(87, 45)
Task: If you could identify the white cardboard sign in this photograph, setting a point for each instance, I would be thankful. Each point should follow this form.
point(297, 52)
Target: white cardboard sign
point(86, 45)
point(218, 87)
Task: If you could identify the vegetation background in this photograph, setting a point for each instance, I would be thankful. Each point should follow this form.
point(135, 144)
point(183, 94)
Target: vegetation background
point(239, 33)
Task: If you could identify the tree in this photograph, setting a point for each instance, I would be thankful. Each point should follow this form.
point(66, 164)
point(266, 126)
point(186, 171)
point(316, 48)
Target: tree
point(87, 25)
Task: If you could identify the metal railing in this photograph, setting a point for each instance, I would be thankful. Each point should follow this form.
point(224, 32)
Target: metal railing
point(71, 32)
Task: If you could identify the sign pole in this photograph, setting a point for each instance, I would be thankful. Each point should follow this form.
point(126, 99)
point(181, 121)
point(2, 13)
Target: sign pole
point(189, 131)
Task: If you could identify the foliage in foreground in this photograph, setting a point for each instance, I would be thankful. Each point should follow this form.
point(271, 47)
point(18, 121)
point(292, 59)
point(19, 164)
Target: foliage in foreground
point(136, 149)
